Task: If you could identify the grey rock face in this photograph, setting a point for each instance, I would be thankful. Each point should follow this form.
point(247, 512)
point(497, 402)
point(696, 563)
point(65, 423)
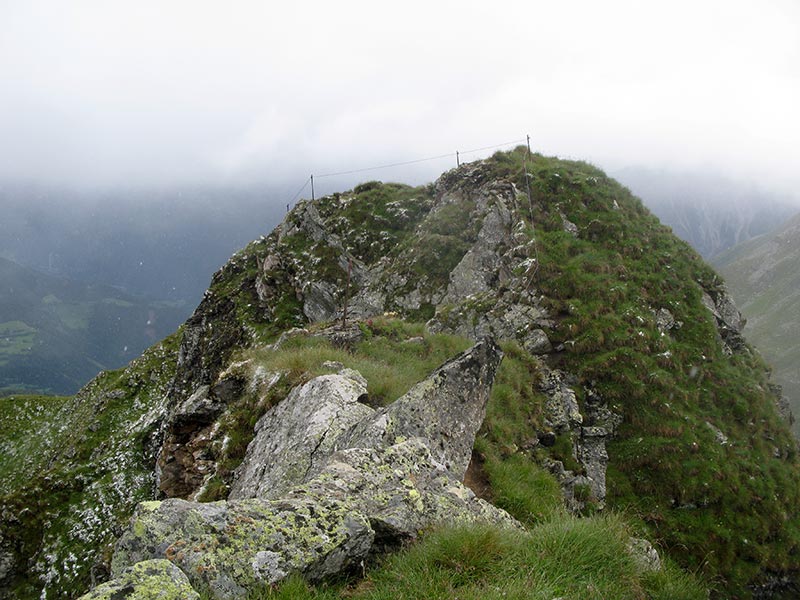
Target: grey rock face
point(6, 564)
point(230, 546)
point(482, 266)
point(592, 454)
point(538, 342)
point(318, 529)
point(292, 435)
point(563, 412)
point(155, 579)
point(320, 301)
point(729, 320)
point(321, 511)
point(644, 555)
point(184, 460)
point(589, 432)
point(665, 321)
point(446, 409)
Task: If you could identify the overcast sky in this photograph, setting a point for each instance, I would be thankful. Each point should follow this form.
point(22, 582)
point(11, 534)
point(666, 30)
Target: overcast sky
point(117, 92)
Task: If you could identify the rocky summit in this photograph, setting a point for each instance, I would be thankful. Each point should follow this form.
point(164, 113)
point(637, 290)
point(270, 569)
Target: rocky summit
point(518, 358)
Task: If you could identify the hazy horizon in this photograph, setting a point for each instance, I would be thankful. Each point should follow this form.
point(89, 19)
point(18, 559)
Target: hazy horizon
point(156, 95)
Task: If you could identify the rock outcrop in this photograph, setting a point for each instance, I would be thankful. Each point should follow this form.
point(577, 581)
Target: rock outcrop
point(295, 440)
point(293, 437)
point(729, 320)
point(156, 579)
point(326, 481)
point(446, 409)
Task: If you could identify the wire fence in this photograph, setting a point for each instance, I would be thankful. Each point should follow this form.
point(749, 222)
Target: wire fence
point(309, 181)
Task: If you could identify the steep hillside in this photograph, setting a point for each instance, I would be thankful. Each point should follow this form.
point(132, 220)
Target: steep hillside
point(765, 282)
point(625, 385)
point(56, 334)
point(710, 212)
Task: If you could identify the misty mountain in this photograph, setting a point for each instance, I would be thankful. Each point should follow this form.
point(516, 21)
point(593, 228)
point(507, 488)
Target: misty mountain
point(707, 210)
point(56, 333)
point(625, 386)
point(764, 280)
point(161, 244)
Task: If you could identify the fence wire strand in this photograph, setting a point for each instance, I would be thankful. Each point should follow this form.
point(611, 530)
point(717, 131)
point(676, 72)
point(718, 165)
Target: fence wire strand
point(398, 164)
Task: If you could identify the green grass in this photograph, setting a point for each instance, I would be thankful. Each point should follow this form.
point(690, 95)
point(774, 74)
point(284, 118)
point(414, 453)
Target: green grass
point(30, 435)
point(78, 466)
point(570, 558)
point(16, 338)
point(604, 287)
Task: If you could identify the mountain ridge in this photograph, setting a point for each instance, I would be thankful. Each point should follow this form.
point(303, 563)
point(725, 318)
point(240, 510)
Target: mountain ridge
point(626, 379)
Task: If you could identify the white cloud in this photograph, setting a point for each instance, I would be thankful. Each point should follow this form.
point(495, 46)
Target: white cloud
point(181, 91)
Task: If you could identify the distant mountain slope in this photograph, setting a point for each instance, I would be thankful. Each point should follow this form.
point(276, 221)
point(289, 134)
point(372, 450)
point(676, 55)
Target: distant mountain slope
point(710, 212)
point(56, 334)
point(154, 243)
point(764, 278)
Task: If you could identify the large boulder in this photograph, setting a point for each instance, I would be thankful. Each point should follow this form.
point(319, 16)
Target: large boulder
point(401, 489)
point(228, 547)
point(155, 579)
point(295, 440)
point(363, 497)
point(446, 409)
point(292, 436)
point(331, 480)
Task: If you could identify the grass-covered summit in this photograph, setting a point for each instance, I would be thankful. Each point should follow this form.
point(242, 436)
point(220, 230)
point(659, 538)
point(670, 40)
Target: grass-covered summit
point(626, 385)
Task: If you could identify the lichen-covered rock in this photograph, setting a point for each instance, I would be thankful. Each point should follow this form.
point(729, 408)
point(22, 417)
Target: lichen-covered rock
point(589, 432)
point(295, 439)
point(592, 454)
point(400, 472)
point(362, 497)
point(6, 564)
point(537, 342)
point(446, 409)
point(156, 579)
point(563, 412)
point(228, 547)
point(665, 321)
point(402, 489)
point(297, 432)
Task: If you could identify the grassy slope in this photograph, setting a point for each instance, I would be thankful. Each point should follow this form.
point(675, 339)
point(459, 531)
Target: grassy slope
point(77, 469)
point(729, 510)
point(56, 334)
point(764, 280)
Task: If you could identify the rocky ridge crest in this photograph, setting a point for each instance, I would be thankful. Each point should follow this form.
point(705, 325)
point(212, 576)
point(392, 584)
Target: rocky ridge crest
point(626, 367)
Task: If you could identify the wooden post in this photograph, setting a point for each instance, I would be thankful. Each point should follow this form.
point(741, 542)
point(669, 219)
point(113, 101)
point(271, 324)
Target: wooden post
point(529, 145)
point(347, 292)
point(458, 160)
